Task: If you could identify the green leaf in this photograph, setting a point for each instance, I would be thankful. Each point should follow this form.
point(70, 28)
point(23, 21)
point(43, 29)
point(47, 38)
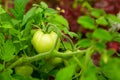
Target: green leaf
point(66, 73)
point(6, 75)
point(14, 32)
point(67, 45)
point(2, 11)
point(116, 36)
point(7, 51)
point(66, 30)
point(5, 17)
point(87, 22)
point(90, 68)
point(102, 21)
point(1, 67)
point(91, 77)
point(58, 20)
point(39, 10)
point(110, 52)
point(28, 15)
point(1, 38)
point(20, 77)
point(19, 8)
point(89, 35)
point(84, 43)
point(102, 34)
point(101, 77)
point(111, 70)
point(43, 5)
point(27, 29)
point(72, 34)
point(50, 11)
point(100, 47)
point(113, 19)
point(6, 25)
point(97, 12)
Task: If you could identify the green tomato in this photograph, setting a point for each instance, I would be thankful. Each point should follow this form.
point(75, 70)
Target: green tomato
point(44, 42)
point(55, 61)
point(68, 51)
point(24, 70)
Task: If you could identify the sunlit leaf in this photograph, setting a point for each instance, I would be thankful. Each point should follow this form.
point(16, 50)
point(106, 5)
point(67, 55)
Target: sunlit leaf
point(6, 25)
point(72, 34)
point(1, 38)
point(7, 51)
point(6, 75)
point(100, 47)
point(19, 8)
point(102, 34)
point(2, 10)
point(66, 73)
point(28, 15)
point(113, 19)
point(111, 70)
point(1, 67)
point(97, 13)
point(59, 21)
point(84, 43)
point(102, 21)
point(87, 22)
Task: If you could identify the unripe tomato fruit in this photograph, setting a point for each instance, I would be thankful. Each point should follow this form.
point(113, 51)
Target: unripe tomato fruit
point(44, 42)
point(68, 51)
point(24, 70)
point(55, 61)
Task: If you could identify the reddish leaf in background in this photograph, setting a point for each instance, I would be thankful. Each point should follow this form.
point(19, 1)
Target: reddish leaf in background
point(113, 45)
point(96, 58)
point(110, 6)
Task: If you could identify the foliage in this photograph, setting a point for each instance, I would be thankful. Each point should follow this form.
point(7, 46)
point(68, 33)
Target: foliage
point(93, 55)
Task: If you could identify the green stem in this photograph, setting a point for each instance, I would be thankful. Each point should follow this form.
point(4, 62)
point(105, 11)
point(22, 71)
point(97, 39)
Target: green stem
point(78, 61)
point(88, 55)
point(77, 75)
point(36, 26)
point(58, 32)
point(68, 54)
point(47, 28)
point(37, 57)
point(19, 61)
point(42, 55)
point(43, 25)
point(63, 45)
point(4, 64)
point(72, 44)
point(81, 66)
point(53, 53)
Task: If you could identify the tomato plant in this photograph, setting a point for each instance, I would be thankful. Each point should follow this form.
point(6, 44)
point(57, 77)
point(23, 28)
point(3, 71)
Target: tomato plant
point(64, 55)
